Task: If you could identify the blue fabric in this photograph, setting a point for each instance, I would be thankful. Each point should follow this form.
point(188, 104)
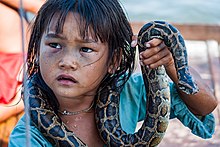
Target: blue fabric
point(18, 136)
point(132, 109)
point(203, 128)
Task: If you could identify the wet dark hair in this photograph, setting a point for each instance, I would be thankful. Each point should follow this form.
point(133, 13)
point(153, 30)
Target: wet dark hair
point(108, 23)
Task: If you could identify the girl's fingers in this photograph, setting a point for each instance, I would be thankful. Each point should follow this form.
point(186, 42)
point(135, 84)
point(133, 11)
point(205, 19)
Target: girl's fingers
point(159, 63)
point(152, 51)
point(164, 57)
point(156, 54)
point(154, 58)
point(154, 42)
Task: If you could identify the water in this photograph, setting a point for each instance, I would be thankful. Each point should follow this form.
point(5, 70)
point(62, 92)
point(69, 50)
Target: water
point(180, 11)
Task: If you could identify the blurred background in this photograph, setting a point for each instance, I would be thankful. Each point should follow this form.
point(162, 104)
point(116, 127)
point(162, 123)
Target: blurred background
point(181, 11)
point(199, 23)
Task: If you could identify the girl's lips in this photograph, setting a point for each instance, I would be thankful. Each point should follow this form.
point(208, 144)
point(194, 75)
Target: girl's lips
point(66, 79)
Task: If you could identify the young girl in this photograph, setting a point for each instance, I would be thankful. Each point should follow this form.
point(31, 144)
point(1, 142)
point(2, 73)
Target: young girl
point(76, 48)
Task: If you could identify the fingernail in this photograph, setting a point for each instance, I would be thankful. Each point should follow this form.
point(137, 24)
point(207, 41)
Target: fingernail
point(147, 45)
point(133, 43)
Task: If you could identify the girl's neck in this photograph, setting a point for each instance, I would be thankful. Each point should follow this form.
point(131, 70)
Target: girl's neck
point(76, 105)
point(86, 110)
point(84, 126)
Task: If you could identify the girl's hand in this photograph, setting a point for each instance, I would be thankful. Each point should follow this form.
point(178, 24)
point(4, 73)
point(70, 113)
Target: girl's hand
point(156, 54)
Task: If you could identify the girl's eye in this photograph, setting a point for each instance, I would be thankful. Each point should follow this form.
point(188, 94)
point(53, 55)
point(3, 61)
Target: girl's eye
point(55, 45)
point(86, 49)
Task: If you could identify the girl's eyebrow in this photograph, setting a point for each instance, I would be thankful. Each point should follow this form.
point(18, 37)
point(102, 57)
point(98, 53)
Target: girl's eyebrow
point(59, 36)
point(54, 35)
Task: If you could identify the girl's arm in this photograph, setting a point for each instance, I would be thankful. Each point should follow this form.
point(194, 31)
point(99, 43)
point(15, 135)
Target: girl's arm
point(157, 54)
point(202, 103)
point(28, 5)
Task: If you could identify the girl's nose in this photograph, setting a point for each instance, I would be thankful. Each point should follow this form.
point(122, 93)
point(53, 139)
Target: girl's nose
point(68, 64)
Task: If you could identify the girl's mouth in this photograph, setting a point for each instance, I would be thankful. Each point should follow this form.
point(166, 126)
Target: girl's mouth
point(66, 79)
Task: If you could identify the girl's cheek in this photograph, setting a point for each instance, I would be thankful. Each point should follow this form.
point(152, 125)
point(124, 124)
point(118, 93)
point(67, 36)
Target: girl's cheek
point(49, 56)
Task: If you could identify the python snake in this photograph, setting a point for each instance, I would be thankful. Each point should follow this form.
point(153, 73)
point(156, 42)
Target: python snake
point(107, 105)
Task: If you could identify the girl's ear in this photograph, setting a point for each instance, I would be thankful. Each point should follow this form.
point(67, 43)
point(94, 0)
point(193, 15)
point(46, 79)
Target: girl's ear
point(115, 62)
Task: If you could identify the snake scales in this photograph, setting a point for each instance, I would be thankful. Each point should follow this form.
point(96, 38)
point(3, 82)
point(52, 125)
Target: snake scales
point(107, 106)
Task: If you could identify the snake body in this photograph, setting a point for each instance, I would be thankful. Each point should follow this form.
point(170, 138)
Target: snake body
point(174, 40)
point(107, 105)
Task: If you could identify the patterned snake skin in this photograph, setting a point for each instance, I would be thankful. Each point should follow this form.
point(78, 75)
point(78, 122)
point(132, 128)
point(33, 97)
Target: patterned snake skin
point(107, 106)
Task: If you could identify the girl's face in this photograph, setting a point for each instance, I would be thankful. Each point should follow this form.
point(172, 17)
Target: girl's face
point(71, 66)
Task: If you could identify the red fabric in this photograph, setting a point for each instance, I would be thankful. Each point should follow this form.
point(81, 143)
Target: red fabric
point(10, 65)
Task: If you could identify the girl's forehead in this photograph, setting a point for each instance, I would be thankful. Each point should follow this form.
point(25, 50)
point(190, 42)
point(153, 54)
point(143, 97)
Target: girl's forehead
point(72, 24)
point(71, 19)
